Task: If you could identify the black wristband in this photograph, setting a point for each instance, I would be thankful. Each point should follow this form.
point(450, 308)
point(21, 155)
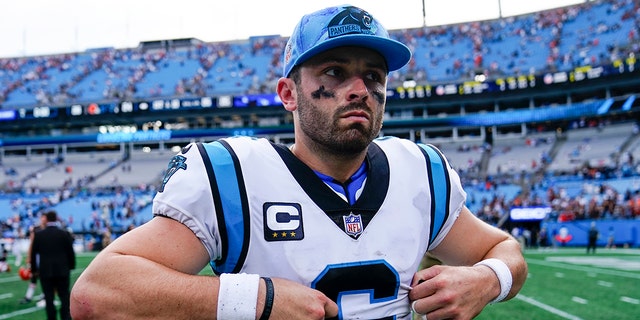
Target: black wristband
point(268, 300)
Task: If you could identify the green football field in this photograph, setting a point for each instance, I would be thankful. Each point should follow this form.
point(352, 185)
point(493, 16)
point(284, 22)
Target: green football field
point(562, 284)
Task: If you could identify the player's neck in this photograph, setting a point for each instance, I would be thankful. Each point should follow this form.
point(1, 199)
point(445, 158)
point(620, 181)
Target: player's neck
point(339, 167)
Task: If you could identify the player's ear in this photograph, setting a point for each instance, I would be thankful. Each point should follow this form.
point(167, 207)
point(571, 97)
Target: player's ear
point(287, 92)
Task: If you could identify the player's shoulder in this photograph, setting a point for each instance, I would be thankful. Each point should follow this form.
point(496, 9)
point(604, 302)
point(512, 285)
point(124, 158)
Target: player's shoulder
point(247, 144)
point(237, 147)
point(406, 148)
point(232, 142)
point(403, 142)
point(245, 140)
point(391, 143)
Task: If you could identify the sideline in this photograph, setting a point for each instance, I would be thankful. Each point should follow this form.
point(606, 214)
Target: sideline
point(577, 267)
point(546, 307)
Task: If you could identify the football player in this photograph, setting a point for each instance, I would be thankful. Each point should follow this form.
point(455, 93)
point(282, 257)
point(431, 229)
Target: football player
point(332, 226)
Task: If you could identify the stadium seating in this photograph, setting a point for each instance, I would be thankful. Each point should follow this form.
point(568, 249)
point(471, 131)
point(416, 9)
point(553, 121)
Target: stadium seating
point(594, 146)
point(93, 190)
point(504, 47)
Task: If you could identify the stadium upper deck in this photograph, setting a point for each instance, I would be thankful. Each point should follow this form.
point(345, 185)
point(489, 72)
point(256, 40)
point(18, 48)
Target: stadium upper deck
point(553, 66)
point(586, 35)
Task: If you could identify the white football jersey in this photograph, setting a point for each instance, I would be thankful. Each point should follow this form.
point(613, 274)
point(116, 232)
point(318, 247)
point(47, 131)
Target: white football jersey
point(259, 209)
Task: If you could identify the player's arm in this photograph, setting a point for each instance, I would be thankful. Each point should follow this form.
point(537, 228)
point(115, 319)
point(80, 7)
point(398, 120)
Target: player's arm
point(146, 273)
point(472, 240)
point(151, 272)
point(465, 290)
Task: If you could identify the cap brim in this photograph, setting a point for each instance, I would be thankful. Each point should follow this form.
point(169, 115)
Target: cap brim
point(396, 54)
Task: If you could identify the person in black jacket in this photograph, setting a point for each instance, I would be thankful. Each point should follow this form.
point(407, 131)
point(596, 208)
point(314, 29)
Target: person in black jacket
point(53, 258)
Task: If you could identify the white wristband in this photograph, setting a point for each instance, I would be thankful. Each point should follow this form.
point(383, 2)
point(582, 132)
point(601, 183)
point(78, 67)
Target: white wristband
point(238, 296)
point(504, 276)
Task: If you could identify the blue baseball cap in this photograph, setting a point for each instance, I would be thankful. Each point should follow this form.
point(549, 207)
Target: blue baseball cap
point(340, 26)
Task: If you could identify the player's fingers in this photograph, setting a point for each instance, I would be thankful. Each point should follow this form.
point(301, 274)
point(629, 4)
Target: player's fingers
point(331, 309)
point(425, 274)
point(424, 286)
point(421, 308)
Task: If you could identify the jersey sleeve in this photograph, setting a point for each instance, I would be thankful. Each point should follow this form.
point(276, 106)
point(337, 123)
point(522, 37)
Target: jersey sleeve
point(185, 196)
point(456, 196)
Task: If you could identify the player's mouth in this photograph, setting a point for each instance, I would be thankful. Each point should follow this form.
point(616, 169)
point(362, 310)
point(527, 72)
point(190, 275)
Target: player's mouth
point(356, 115)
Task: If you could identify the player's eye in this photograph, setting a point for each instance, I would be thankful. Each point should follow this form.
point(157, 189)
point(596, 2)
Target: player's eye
point(334, 72)
point(375, 76)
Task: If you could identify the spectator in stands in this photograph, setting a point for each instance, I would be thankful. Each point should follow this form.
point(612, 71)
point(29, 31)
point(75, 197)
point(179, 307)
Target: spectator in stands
point(592, 236)
point(611, 238)
point(345, 213)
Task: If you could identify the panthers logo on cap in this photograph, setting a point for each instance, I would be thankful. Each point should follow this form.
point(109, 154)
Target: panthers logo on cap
point(351, 20)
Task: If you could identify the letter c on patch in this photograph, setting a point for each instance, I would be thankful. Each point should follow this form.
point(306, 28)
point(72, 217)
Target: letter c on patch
point(283, 217)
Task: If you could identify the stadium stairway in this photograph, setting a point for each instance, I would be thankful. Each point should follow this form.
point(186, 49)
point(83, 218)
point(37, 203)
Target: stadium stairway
point(484, 163)
point(628, 142)
point(553, 152)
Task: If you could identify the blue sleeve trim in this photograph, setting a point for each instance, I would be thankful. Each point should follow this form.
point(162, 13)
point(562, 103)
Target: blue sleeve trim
point(440, 188)
point(231, 204)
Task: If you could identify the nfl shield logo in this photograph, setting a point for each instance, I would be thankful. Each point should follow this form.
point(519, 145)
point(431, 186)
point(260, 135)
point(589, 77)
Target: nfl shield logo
point(352, 224)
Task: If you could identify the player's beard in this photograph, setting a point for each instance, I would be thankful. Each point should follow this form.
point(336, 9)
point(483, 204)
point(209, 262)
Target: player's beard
point(327, 133)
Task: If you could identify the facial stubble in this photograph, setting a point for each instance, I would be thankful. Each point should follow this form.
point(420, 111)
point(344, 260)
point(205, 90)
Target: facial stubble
point(331, 135)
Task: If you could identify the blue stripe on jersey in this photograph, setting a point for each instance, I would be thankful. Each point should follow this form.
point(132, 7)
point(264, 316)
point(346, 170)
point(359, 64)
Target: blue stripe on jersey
point(440, 189)
point(232, 199)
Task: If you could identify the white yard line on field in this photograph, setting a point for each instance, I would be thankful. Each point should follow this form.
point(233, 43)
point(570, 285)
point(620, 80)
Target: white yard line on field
point(579, 300)
point(547, 307)
point(629, 300)
point(605, 284)
point(6, 296)
point(19, 312)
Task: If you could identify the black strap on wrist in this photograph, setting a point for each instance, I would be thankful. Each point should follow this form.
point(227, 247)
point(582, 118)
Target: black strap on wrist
point(268, 301)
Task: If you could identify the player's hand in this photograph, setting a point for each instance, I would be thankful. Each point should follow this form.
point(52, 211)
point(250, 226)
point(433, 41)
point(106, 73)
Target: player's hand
point(446, 292)
point(295, 301)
